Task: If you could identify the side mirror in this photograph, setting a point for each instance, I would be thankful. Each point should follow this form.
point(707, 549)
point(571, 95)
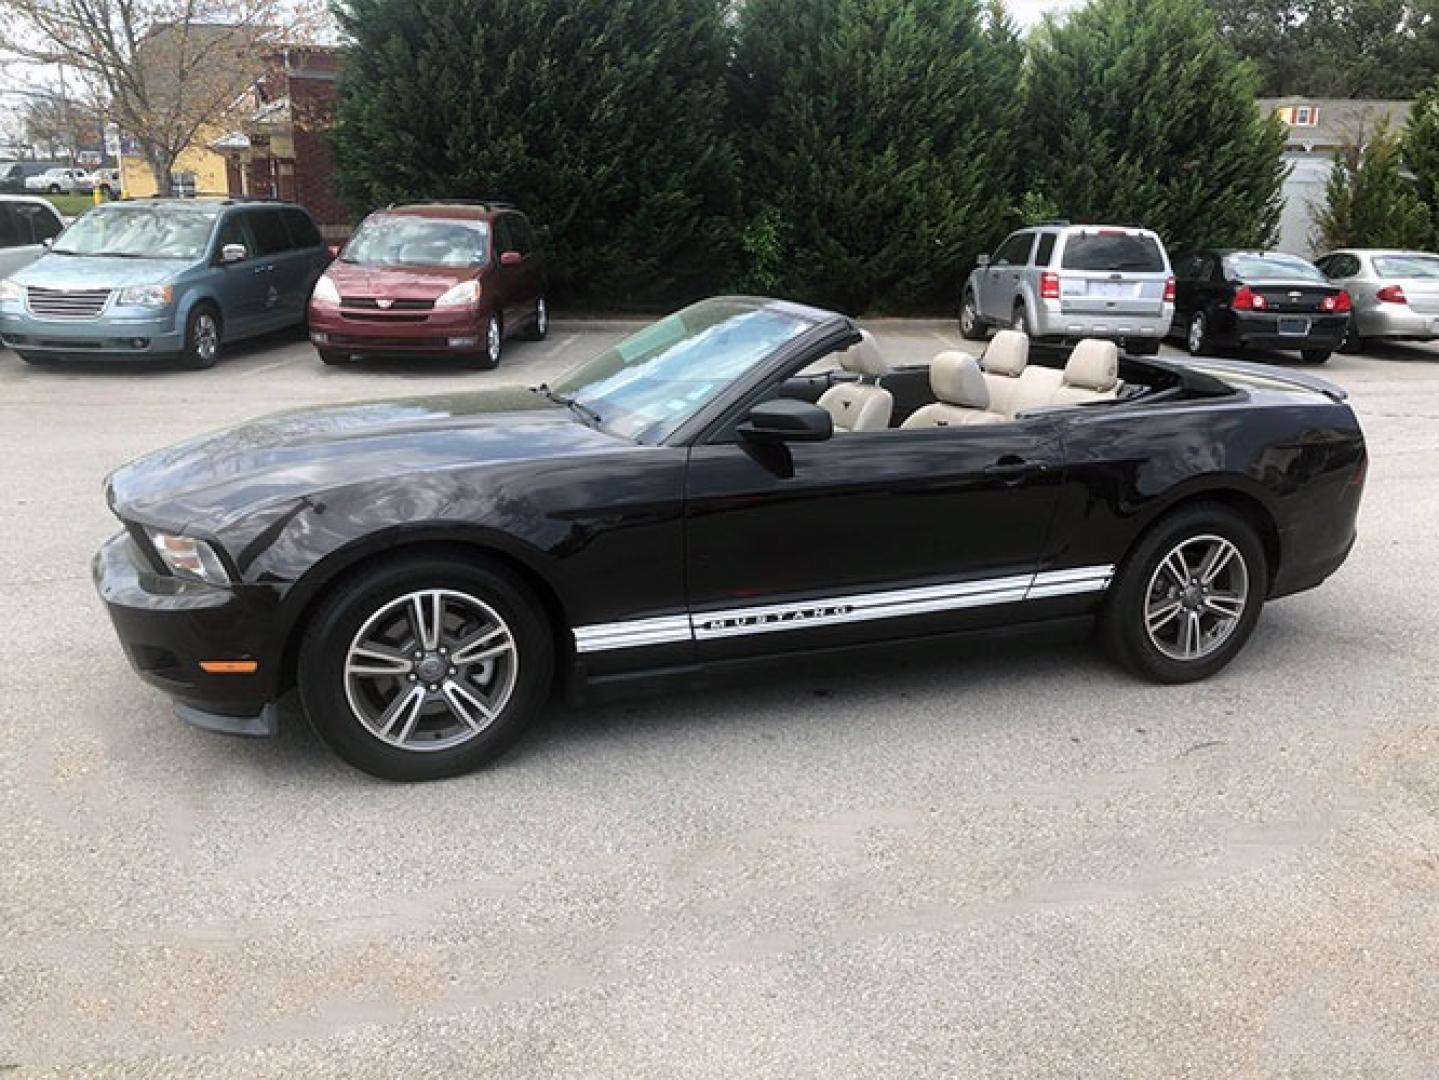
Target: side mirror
point(787, 420)
point(981, 260)
point(233, 253)
point(510, 258)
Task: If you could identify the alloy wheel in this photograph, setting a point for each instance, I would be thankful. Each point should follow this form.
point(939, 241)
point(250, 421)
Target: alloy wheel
point(431, 670)
point(966, 316)
point(492, 341)
point(1196, 597)
point(1196, 334)
point(542, 317)
point(207, 337)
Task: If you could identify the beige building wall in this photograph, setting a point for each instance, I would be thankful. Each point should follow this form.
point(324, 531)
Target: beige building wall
point(208, 167)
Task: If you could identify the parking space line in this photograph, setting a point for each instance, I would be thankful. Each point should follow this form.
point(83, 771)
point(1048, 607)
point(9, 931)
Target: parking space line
point(559, 346)
point(272, 366)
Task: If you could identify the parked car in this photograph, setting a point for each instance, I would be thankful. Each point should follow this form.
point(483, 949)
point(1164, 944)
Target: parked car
point(163, 278)
point(105, 181)
point(1258, 299)
point(450, 278)
point(1395, 293)
point(1066, 281)
point(13, 174)
point(60, 180)
point(425, 567)
point(26, 226)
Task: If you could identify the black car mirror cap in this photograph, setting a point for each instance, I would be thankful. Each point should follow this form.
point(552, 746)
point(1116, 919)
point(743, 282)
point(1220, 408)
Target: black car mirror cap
point(787, 420)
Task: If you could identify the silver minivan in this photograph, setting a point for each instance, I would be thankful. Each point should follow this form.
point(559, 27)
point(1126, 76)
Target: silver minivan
point(1065, 282)
point(26, 226)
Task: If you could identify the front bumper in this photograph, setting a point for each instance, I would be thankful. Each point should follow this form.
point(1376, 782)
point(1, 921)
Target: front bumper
point(1397, 321)
point(140, 337)
point(168, 625)
point(370, 332)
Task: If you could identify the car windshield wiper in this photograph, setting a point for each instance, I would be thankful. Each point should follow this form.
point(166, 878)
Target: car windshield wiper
point(568, 402)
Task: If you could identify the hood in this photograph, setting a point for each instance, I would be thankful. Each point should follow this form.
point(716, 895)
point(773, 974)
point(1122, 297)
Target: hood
point(397, 282)
point(55, 271)
point(215, 479)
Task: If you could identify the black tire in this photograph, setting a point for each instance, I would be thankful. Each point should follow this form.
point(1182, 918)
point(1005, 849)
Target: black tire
point(333, 357)
point(1314, 356)
point(1197, 339)
point(335, 626)
point(971, 326)
point(1352, 342)
point(107, 191)
point(1123, 621)
point(489, 359)
point(200, 352)
point(540, 326)
point(56, 189)
point(34, 359)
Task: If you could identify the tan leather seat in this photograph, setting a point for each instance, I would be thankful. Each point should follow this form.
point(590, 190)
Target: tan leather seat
point(860, 406)
point(1004, 361)
point(1092, 374)
point(963, 397)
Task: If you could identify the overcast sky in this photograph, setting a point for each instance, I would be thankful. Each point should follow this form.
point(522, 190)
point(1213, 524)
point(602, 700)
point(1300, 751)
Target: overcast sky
point(1028, 12)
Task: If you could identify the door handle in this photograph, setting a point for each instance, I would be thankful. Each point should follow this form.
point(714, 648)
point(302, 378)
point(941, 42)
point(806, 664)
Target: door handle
point(1013, 467)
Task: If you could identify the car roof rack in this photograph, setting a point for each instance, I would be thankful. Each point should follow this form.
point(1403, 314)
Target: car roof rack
point(1051, 222)
point(486, 204)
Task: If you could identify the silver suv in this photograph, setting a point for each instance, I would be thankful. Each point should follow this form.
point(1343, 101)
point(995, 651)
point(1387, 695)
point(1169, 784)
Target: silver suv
point(1064, 281)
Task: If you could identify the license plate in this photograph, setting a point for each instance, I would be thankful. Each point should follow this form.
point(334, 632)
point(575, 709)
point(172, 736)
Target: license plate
point(1294, 327)
point(1108, 288)
point(1434, 328)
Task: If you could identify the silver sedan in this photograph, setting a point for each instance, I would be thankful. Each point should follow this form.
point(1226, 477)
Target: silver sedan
point(1395, 293)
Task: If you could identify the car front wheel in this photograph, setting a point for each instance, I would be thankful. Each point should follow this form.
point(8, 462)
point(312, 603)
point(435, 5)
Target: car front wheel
point(426, 668)
point(1188, 595)
point(970, 326)
point(202, 338)
point(494, 345)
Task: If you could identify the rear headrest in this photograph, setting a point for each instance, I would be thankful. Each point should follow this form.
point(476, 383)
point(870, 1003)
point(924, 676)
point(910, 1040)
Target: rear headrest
point(1007, 354)
point(956, 380)
point(863, 357)
point(1094, 365)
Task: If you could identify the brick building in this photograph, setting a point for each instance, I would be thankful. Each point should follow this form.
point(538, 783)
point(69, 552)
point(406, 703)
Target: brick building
point(281, 150)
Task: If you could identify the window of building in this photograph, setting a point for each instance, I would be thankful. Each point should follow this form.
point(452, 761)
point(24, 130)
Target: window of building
point(1305, 116)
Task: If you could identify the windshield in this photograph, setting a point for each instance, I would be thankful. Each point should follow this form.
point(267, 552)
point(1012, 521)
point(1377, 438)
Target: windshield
point(651, 383)
point(1273, 267)
point(403, 240)
point(140, 232)
point(1410, 266)
point(1113, 250)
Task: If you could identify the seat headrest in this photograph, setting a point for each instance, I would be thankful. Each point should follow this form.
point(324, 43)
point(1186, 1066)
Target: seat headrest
point(1007, 354)
point(956, 380)
point(1094, 365)
point(863, 357)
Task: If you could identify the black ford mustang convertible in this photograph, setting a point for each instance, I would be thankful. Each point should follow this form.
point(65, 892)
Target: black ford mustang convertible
point(744, 478)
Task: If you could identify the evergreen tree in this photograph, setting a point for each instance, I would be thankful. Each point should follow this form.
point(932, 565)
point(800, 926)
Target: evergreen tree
point(1139, 113)
point(1370, 202)
point(878, 145)
point(604, 119)
point(1421, 155)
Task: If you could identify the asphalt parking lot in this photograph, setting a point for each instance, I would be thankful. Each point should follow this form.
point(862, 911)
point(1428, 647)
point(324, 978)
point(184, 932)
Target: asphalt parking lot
point(1001, 859)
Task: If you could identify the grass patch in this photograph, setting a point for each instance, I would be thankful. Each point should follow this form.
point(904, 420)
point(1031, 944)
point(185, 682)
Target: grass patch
point(70, 205)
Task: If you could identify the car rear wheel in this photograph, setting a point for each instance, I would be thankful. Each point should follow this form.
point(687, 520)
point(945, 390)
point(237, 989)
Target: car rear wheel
point(970, 326)
point(1187, 597)
point(540, 328)
point(202, 338)
point(1314, 356)
point(1197, 339)
point(1352, 342)
point(426, 668)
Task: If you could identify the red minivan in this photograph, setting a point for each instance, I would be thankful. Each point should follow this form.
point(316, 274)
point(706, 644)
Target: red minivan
point(446, 278)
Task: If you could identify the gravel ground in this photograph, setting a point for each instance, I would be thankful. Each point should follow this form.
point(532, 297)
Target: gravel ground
point(989, 860)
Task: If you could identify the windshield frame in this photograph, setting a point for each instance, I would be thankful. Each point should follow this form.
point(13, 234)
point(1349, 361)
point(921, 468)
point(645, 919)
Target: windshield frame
point(213, 215)
point(714, 413)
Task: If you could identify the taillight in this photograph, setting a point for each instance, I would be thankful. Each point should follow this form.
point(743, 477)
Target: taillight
point(1169, 291)
point(1246, 299)
point(1049, 285)
point(1391, 294)
point(1338, 302)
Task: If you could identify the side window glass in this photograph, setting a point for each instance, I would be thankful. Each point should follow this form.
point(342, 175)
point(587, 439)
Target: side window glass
point(35, 224)
point(268, 228)
point(232, 231)
point(524, 239)
point(1045, 252)
point(504, 238)
point(9, 228)
point(302, 229)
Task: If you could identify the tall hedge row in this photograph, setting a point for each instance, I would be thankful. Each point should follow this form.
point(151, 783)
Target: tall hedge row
point(856, 153)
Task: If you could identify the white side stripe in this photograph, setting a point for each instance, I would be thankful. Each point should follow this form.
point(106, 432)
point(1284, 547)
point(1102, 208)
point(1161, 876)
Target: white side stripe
point(831, 611)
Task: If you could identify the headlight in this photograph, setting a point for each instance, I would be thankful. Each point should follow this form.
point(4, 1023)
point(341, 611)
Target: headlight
point(325, 290)
point(466, 292)
point(11, 291)
point(146, 295)
point(190, 558)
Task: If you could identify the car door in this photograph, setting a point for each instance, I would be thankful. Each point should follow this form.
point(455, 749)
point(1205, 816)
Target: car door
point(307, 259)
point(25, 228)
point(243, 288)
point(865, 536)
point(508, 276)
point(530, 279)
point(1002, 277)
point(272, 265)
